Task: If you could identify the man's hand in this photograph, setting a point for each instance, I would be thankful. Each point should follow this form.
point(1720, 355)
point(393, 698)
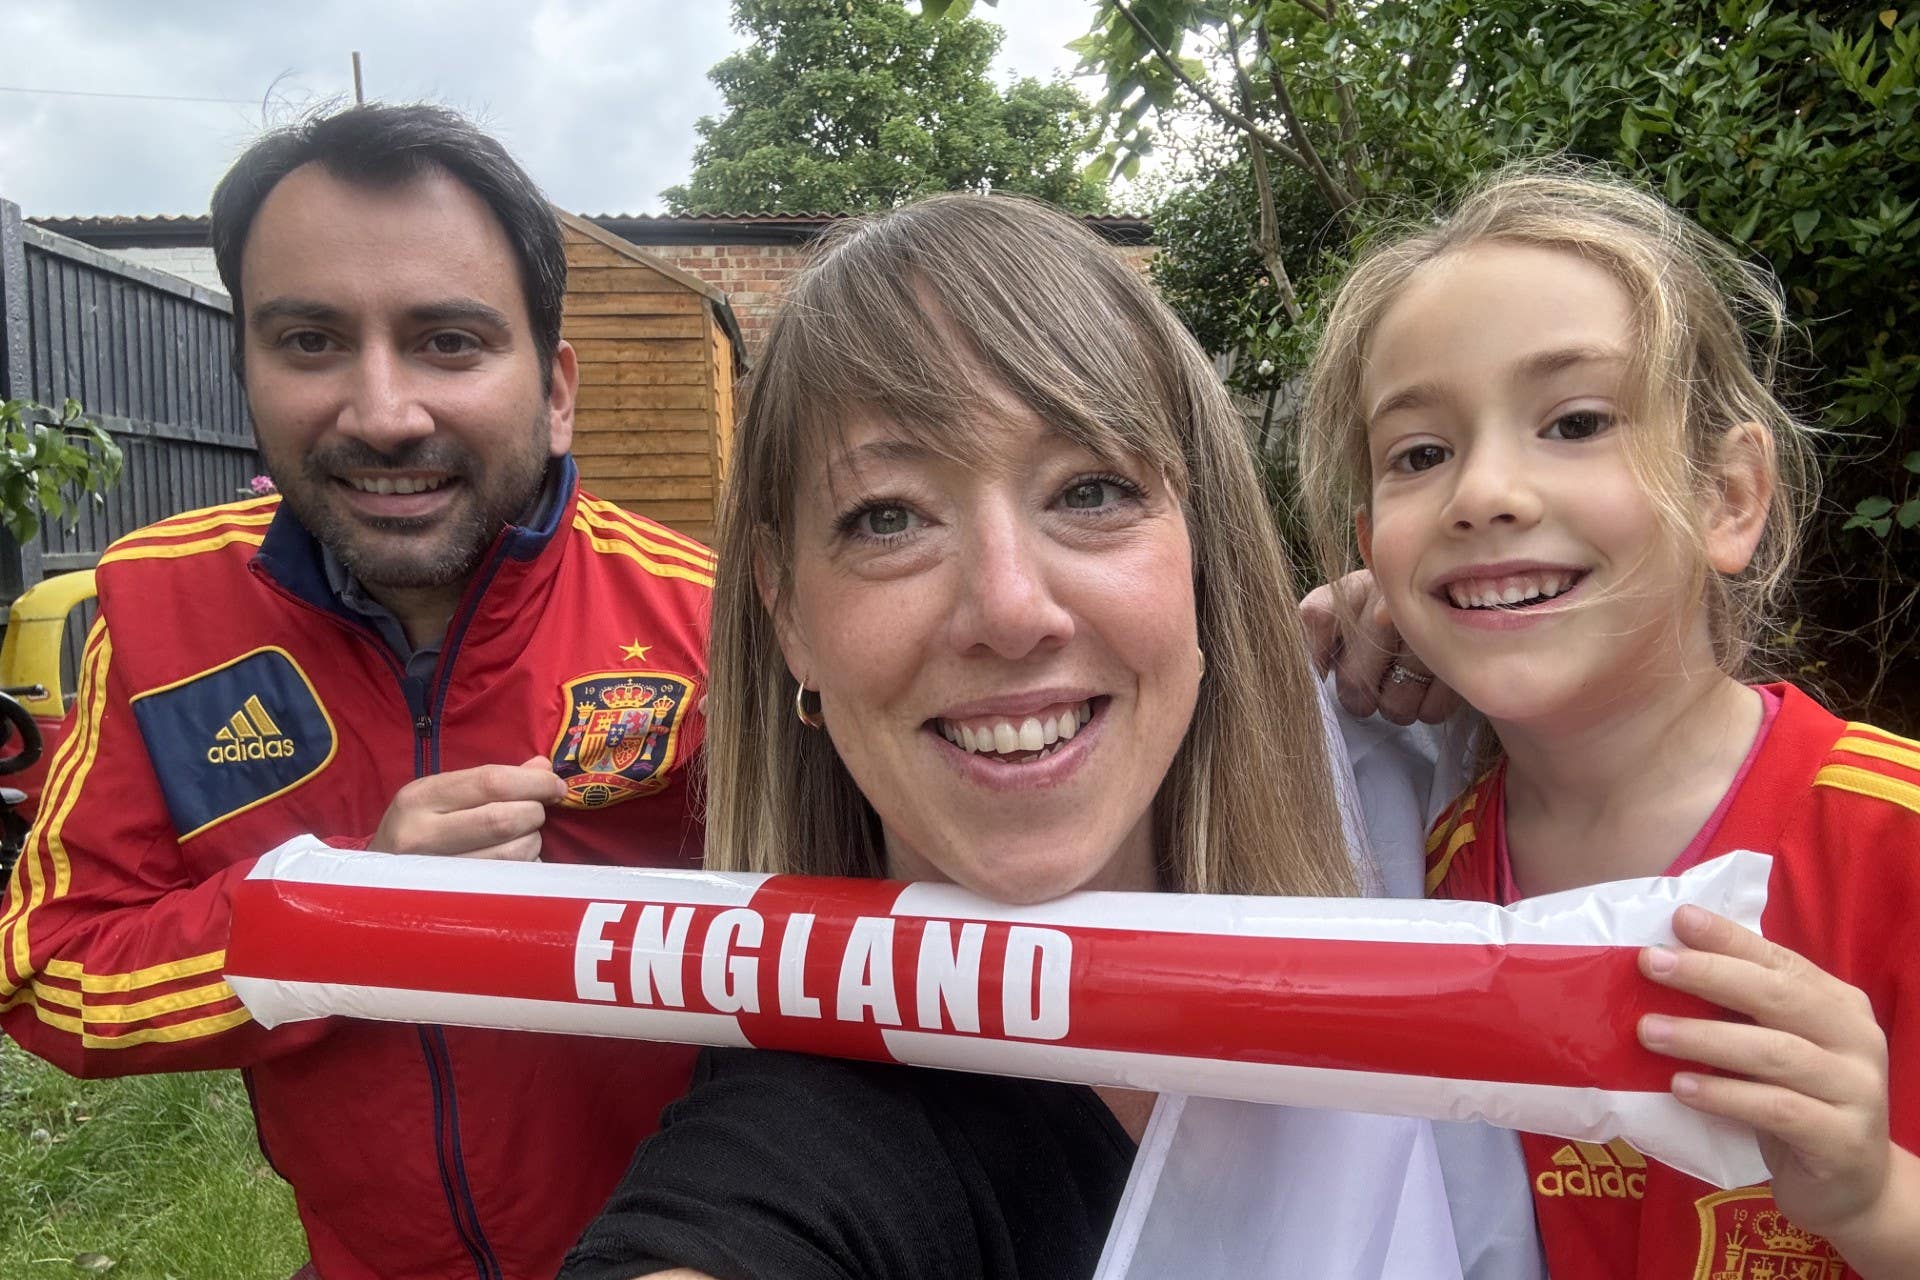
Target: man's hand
point(492, 811)
point(1808, 1072)
point(1350, 632)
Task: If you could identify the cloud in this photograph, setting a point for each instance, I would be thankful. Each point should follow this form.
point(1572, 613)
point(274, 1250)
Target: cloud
point(598, 98)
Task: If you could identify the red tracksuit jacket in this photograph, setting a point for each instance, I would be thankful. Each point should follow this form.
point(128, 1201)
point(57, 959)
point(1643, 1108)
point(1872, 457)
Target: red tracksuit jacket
point(1838, 807)
point(228, 701)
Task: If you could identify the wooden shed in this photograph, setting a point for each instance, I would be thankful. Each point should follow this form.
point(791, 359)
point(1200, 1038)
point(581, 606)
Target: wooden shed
point(658, 356)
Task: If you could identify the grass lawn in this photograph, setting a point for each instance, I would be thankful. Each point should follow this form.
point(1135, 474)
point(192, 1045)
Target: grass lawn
point(146, 1178)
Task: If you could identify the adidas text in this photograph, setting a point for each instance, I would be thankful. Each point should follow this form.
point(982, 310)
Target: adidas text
point(252, 749)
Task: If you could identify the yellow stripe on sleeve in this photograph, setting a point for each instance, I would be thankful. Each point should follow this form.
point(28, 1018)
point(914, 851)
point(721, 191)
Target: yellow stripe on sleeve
point(650, 529)
point(200, 522)
point(176, 550)
point(1875, 730)
point(1907, 757)
point(620, 547)
point(153, 976)
point(67, 779)
point(1865, 782)
point(619, 524)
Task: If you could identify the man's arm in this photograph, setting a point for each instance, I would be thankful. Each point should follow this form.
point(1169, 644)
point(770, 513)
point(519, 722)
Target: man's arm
point(111, 953)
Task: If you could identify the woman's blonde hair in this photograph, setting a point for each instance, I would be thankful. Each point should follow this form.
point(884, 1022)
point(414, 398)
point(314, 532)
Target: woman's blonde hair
point(1710, 329)
point(921, 316)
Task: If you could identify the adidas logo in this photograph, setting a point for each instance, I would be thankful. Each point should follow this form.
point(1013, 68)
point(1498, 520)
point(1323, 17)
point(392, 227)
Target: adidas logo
point(249, 734)
point(1587, 1169)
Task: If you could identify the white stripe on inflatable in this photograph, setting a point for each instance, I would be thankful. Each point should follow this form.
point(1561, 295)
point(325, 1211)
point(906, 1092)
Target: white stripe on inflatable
point(305, 860)
point(1629, 913)
point(274, 1002)
point(1714, 1150)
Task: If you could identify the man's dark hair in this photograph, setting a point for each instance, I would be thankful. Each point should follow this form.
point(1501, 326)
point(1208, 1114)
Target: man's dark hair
point(380, 145)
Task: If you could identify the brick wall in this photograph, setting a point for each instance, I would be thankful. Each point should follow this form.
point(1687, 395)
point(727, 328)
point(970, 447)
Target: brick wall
point(755, 276)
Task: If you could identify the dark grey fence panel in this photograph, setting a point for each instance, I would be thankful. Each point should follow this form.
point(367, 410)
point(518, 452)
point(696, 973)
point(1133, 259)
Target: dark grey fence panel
point(147, 354)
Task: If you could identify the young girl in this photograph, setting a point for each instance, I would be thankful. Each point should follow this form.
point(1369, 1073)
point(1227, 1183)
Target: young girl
point(1576, 490)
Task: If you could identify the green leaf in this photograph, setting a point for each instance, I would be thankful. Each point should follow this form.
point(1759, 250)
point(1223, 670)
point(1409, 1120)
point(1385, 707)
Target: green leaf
point(1804, 222)
point(1909, 513)
point(1912, 462)
point(1873, 507)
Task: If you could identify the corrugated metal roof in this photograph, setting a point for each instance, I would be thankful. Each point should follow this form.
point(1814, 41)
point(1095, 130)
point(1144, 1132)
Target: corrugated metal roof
point(154, 230)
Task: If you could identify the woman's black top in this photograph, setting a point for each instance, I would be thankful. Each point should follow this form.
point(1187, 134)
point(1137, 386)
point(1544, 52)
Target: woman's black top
point(778, 1166)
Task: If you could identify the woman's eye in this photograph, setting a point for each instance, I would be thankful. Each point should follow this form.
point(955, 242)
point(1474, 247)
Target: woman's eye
point(1095, 493)
point(884, 521)
point(1422, 457)
point(1582, 424)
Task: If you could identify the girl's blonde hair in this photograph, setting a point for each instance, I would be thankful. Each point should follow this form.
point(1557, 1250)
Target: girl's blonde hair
point(1710, 329)
point(920, 316)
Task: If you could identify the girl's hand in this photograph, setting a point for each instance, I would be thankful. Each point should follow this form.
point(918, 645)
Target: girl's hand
point(1350, 631)
point(1809, 1074)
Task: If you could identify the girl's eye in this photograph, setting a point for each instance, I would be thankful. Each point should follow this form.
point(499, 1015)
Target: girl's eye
point(1095, 493)
point(1581, 424)
point(1422, 457)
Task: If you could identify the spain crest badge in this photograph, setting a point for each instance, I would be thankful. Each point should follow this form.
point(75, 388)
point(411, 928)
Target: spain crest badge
point(621, 736)
point(1744, 1237)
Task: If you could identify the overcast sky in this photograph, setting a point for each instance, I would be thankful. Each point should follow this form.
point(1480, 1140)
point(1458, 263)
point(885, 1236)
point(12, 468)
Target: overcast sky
point(597, 98)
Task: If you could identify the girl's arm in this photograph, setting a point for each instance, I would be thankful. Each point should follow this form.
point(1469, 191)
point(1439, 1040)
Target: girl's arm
point(1811, 1078)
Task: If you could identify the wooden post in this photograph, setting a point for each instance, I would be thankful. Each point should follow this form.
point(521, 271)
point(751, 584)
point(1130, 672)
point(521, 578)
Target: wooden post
point(19, 566)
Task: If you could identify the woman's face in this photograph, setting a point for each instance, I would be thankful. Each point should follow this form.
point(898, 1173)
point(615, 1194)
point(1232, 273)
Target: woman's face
point(1005, 652)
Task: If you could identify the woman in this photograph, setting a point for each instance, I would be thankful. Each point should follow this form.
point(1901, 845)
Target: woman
point(999, 604)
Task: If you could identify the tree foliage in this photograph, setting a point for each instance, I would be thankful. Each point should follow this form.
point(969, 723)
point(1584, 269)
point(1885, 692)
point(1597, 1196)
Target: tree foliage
point(1788, 129)
point(845, 105)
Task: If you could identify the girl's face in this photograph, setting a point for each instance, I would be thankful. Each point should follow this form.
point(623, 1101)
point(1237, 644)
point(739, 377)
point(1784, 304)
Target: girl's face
point(1005, 653)
point(1521, 557)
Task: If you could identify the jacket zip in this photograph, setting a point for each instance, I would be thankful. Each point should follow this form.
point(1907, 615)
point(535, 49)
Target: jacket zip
point(425, 703)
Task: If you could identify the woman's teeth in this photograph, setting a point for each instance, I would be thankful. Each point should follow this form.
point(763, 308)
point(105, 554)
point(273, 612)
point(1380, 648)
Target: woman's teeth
point(396, 484)
point(1516, 591)
point(1042, 734)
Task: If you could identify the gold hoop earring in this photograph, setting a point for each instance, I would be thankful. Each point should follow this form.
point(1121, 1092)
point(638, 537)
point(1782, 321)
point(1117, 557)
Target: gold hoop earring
point(811, 719)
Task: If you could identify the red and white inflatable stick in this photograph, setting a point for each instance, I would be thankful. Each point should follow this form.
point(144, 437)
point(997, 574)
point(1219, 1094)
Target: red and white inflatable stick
point(1523, 1016)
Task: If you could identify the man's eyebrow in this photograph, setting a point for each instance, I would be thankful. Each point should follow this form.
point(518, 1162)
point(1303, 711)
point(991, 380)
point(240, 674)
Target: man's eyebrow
point(276, 309)
point(443, 311)
point(459, 311)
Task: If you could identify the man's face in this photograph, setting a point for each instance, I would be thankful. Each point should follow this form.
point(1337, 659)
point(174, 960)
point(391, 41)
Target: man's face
point(392, 372)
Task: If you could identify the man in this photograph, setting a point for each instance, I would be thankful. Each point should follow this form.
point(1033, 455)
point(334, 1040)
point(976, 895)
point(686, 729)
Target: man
point(431, 643)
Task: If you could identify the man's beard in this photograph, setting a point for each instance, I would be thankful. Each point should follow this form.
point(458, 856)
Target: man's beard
point(438, 550)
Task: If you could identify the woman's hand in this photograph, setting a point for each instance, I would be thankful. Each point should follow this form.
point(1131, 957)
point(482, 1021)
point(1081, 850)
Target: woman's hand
point(1350, 631)
point(1809, 1074)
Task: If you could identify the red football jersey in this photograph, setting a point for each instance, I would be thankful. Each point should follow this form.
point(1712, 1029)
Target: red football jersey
point(1838, 807)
